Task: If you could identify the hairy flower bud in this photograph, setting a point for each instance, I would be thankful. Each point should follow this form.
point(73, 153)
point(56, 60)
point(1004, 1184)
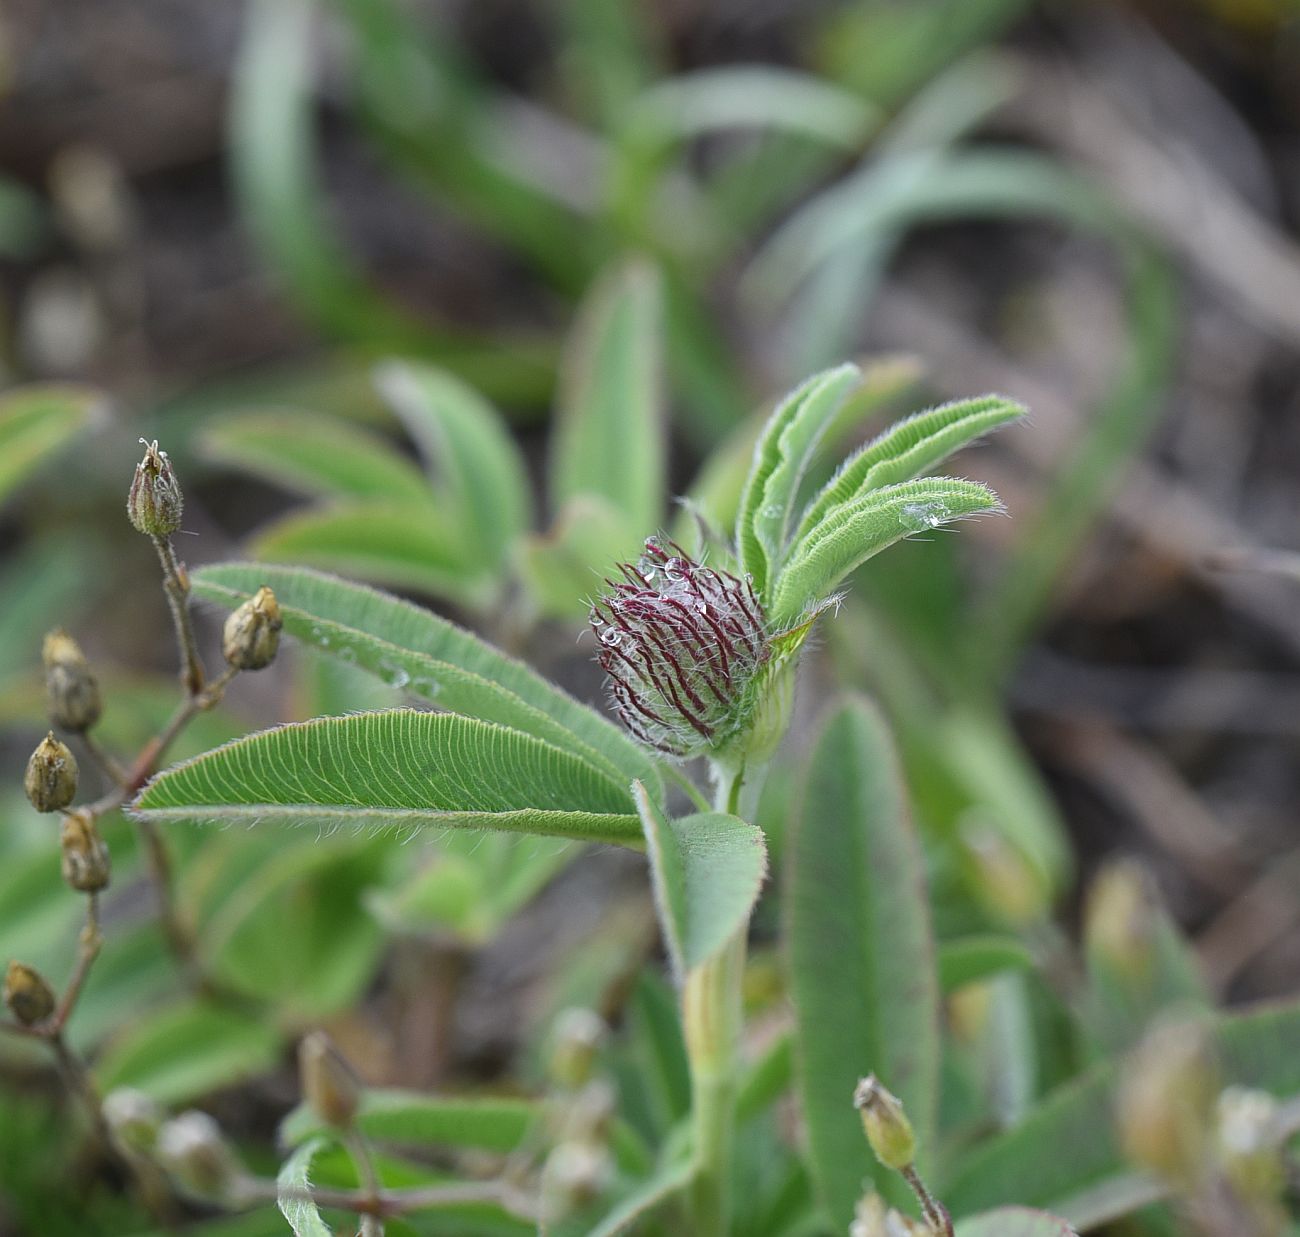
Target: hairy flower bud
point(681, 645)
point(51, 777)
point(27, 996)
point(134, 1118)
point(71, 692)
point(86, 865)
point(192, 1149)
point(577, 1037)
point(155, 502)
point(328, 1083)
point(252, 632)
point(885, 1123)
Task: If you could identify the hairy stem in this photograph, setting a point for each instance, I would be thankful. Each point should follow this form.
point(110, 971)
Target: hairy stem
point(176, 586)
point(371, 1224)
point(935, 1213)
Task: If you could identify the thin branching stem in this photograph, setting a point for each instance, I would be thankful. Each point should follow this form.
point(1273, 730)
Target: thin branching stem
point(92, 940)
point(359, 1147)
point(935, 1213)
point(177, 588)
point(112, 769)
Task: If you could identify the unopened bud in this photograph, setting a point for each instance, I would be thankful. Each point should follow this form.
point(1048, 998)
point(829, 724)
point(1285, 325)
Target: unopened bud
point(252, 632)
point(155, 503)
point(871, 1218)
point(885, 1123)
point(328, 1083)
point(51, 777)
point(577, 1038)
point(1004, 880)
point(134, 1118)
point(1166, 1101)
point(1250, 1137)
point(591, 1114)
point(1119, 922)
point(86, 866)
point(193, 1151)
point(27, 996)
point(71, 692)
point(576, 1173)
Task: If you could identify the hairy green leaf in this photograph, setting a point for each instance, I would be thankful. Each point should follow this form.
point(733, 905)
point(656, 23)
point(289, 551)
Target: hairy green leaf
point(854, 531)
point(972, 958)
point(1014, 1222)
point(861, 956)
point(319, 456)
point(294, 1178)
point(609, 434)
point(781, 457)
point(415, 649)
point(35, 421)
point(909, 448)
point(470, 452)
point(707, 870)
point(400, 769)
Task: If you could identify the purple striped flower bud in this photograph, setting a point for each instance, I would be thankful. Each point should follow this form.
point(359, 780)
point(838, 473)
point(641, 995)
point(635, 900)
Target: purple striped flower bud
point(681, 644)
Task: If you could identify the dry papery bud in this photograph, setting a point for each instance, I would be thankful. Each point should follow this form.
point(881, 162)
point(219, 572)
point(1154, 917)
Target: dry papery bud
point(71, 692)
point(328, 1083)
point(252, 633)
point(885, 1123)
point(134, 1118)
point(86, 866)
point(27, 996)
point(194, 1152)
point(51, 777)
point(575, 1041)
point(155, 502)
point(681, 644)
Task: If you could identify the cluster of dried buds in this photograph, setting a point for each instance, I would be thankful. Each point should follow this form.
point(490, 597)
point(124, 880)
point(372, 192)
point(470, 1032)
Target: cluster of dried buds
point(681, 644)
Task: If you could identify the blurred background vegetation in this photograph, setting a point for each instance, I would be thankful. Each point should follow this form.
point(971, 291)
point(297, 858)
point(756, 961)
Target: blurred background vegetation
point(217, 220)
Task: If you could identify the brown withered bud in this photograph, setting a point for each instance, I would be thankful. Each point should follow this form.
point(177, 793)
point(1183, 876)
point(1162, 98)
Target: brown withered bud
point(155, 502)
point(51, 777)
point(252, 632)
point(27, 996)
point(86, 864)
point(71, 692)
point(328, 1084)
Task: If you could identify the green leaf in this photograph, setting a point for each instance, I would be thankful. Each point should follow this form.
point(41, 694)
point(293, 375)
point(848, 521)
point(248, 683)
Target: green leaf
point(909, 448)
point(415, 649)
point(563, 567)
point(176, 1055)
point(35, 421)
point(609, 434)
point(972, 958)
point(781, 457)
point(1014, 1222)
point(413, 1119)
point(295, 1175)
point(666, 1183)
point(707, 870)
point(852, 532)
point(861, 957)
point(319, 456)
point(412, 547)
point(478, 467)
point(399, 769)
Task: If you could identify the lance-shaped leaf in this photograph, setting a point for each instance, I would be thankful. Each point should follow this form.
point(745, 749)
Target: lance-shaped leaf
point(784, 451)
point(861, 957)
point(399, 769)
point(416, 650)
point(852, 532)
point(707, 870)
point(477, 466)
point(1014, 1222)
point(908, 449)
point(609, 436)
point(36, 421)
point(293, 1183)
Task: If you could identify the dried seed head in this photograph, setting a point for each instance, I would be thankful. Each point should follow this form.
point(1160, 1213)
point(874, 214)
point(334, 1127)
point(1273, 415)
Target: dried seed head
point(328, 1083)
point(252, 632)
point(885, 1123)
point(28, 997)
point(575, 1042)
point(86, 865)
point(155, 502)
point(51, 777)
point(71, 692)
point(134, 1118)
point(192, 1149)
point(681, 645)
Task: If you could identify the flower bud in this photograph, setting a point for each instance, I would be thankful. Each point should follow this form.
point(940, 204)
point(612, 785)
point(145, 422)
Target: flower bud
point(51, 777)
point(1119, 922)
point(86, 864)
point(871, 1218)
point(193, 1151)
point(328, 1083)
point(155, 502)
point(252, 632)
point(681, 644)
point(1249, 1139)
point(71, 692)
point(592, 1112)
point(885, 1123)
point(28, 997)
point(1003, 879)
point(134, 1118)
point(576, 1040)
point(576, 1173)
